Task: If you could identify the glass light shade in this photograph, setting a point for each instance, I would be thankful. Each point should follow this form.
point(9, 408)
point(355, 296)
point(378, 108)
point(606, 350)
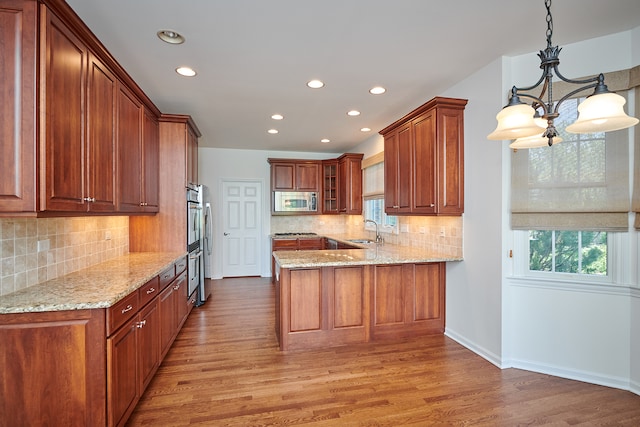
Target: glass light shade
point(533, 142)
point(515, 121)
point(602, 113)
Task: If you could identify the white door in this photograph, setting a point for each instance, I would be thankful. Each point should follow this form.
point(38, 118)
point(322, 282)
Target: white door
point(242, 228)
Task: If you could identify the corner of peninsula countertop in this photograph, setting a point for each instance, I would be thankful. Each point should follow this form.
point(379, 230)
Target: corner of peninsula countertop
point(371, 253)
point(98, 286)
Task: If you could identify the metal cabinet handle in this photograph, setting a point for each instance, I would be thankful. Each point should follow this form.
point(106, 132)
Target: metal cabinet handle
point(141, 324)
point(176, 287)
point(128, 308)
point(226, 234)
point(89, 199)
point(432, 205)
point(396, 207)
point(151, 290)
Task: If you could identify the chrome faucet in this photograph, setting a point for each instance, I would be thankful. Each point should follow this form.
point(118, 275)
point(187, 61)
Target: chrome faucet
point(378, 236)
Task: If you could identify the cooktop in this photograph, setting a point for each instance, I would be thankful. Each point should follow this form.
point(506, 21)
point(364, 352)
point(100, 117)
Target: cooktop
point(295, 234)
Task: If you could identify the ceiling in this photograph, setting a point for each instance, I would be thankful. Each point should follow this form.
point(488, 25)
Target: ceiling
point(254, 57)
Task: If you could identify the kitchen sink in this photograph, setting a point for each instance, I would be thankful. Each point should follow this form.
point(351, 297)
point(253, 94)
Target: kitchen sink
point(361, 241)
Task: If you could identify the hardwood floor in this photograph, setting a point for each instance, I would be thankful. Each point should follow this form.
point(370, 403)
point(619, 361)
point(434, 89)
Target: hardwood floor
point(225, 369)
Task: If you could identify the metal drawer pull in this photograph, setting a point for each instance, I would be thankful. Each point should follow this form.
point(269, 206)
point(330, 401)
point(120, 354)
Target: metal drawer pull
point(128, 308)
point(141, 324)
point(176, 287)
point(151, 290)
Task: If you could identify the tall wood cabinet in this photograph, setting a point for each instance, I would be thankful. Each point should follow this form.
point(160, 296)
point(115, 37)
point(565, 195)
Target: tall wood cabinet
point(424, 160)
point(62, 147)
point(166, 231)
point(295, 175)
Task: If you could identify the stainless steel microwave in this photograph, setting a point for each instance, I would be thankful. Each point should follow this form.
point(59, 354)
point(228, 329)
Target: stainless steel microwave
point(295, 201)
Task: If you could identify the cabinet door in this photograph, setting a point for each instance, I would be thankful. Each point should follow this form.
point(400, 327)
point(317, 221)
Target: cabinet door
point(151, 162)
point(168, 318)
point(307, 176)
point(424, 164)
point(148, 343)
point(129, 152)
point(192, 157)
point(451, 161)
point(101, 137)
point(182, 300)
point(350, 185)
point(388, 295)
point(283, 176)
point(330, 187)
point(122, 372)
point(18, 32)
point(63, 77)
point(427, 290)
point(397, 171)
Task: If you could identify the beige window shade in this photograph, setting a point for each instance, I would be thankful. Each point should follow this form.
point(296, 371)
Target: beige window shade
point(373, 174)
point(579, 184)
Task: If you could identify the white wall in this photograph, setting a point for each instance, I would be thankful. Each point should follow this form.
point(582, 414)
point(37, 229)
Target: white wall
point(217, 164)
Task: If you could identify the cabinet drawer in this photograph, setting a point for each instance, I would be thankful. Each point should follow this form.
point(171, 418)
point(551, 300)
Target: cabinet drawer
point(285, 244)
point(149, 291)
point(167, 276)
point(181, 265)
point(122, 311)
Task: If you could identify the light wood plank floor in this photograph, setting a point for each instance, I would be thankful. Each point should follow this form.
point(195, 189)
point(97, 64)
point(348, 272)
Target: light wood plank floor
point(225, 369)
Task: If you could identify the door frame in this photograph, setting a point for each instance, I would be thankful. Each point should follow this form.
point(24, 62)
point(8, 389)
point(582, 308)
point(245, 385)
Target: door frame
point(218, 226)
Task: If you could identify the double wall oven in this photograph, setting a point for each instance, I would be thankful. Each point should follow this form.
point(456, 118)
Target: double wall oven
point(195, 221)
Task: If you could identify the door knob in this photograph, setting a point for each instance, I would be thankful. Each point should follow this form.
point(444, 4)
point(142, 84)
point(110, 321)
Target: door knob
point(226, 234)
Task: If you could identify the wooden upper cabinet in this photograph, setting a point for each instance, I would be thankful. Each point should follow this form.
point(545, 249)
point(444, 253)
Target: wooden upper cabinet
point(60, 155)
point(151, 162)
point(101, 137)
point(350, 184)
point(18, 32)
point(424, 160)
point(295, 175)
point(330, 186)
point(64, 76)
point(129, 152)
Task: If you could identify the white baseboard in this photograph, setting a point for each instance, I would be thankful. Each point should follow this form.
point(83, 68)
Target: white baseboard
point(556, 371)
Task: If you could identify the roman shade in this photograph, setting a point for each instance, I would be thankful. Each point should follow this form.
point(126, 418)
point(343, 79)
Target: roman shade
point(583, 182)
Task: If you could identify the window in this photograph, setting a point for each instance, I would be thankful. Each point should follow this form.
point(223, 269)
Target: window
point(573, 252)
point(374, 196)
point(374, 209)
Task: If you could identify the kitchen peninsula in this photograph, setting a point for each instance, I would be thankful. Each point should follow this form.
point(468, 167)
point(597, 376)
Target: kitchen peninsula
point(344, 296)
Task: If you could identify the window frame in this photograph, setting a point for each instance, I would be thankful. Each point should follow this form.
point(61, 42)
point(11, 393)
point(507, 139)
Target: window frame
point(383, 226)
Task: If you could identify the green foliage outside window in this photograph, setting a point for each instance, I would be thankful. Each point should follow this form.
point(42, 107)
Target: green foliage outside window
point(577, 252)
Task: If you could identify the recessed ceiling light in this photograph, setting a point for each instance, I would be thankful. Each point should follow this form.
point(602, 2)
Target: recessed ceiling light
point(315, 84)
point(277, 117)
point(378, 90)
point(186, 71)
point(325, 140)
point(170, 36)
point(365, 130)
point(273, 131)
point(353, 113)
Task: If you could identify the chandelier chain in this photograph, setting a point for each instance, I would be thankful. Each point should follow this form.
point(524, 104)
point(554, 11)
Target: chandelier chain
point(547, 4)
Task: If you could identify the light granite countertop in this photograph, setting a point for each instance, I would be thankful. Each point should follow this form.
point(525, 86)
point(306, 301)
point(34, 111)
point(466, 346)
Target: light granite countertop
point(99, 286)
point(370, 253)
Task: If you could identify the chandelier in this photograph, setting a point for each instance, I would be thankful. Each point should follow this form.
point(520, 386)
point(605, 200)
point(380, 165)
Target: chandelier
point(532, 125)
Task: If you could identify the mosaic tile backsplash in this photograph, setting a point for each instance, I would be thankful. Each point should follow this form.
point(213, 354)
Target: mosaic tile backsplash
point(34, 250)
point(441, 234)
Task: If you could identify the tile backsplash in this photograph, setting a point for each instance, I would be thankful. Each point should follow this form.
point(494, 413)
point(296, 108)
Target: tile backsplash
point(34, 250)
point(441, 234)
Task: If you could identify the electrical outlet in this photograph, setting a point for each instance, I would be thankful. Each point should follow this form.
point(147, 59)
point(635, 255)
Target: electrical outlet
point(107, 235)
point(442, 232)
point(423, 230)
point(404, 228)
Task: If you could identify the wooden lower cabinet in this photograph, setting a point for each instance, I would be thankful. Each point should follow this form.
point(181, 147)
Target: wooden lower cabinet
point(52, 369)
point(322, 307)
point(407, 299)
point(88, 367)
point(329, 306)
